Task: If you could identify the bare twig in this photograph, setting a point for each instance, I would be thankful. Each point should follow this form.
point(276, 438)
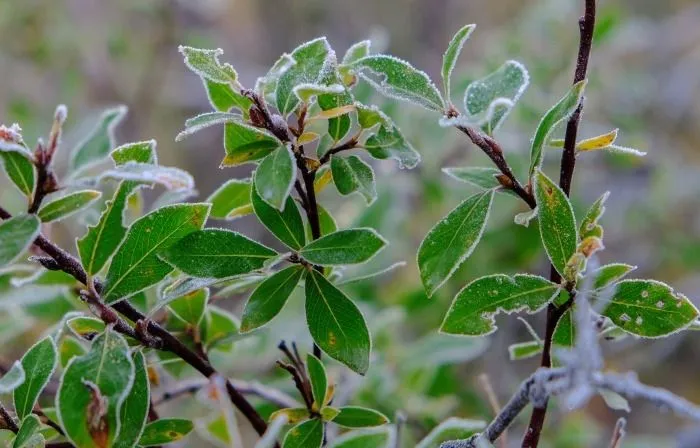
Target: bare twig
point(7, 419)
point(618, 433)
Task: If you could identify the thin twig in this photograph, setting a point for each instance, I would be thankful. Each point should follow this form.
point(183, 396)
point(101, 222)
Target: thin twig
point(493, 401)
point(618, 433)
point(8, 420)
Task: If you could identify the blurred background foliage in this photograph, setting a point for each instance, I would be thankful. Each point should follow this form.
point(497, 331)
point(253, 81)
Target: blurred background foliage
point(91, 54)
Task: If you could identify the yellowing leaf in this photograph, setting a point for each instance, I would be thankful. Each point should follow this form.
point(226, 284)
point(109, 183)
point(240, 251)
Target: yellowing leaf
point(599, 142)
point(333, 113)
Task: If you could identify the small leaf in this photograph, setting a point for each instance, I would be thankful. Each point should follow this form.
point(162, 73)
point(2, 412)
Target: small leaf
point(100, 142)
point(190, 307)
point(267, 85)
point(70, 348)
point(336, 324)
point(565, 331)
point(524, 350)
point(610, 273)
point(400, 80)
point(318, 378)
point(134, 410)
point(308, 434)
point(350, 246)
point(217, 328)
point(557, 222)
point(352, 174)
point(357, 51)
point(28, 429)
point(359, 417)
point(269, 298)
point(275, 177)
point(203, 121)
point(310, 60)
point(451, 429)
point(483, 178)
point(614, 401)
point(223, 97)
point(171, 178)
point(38, 364)
point(165, 430)
point(67, 205)
point(333, 113)
point(363, 438)
point(449, 59)
point(388, 142)
point(136, 265)
point(206, 64)
point(244, 143)
point(139, 152)
point(328, 413)
point(307, 91)
point(589, 223)
point(286, 225)
point(293, 415)
point(231, 200)
point(86, 327)
point(452, 240)
point(12, 379)
point(649, 309)
point(16, 235)
point(474, 307)
point(558, 113)
point(338, 126)
point(216, 253)
point(20, 170)
point(307, 137)
point(524, 218)
point(599, 142)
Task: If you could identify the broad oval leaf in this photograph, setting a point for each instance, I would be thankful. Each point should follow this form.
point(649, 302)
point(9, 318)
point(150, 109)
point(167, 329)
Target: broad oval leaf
point(165, 430)
point(474, 307)
point(20, 170)
point(136, 265)
point(190, 307)
point(310, 60)
point(12, 379)
point(134, 410)
point(275, 176)
point(100, 142)
point(139, 152)
point(38, 364)
point(318, 378)
point(217, 328)
point(203, 121)
point(69, 348)
point(67, 205)
point(92, 391)
point(363, 438)
point(286, 225)
point(206, 64)
point(171, 178)
point(610, 273)
point(352, 174)
point(351, 246)
point(649, 308)
point(16, 235)
point(452, 240)
point(244, 143)
point(449, 59)
point(216, 253)
point(556, 220)
point(308, 434)
point(268, 299)
point(231, 200)
point(359, 417)
point(400, 80)
point(336, 324)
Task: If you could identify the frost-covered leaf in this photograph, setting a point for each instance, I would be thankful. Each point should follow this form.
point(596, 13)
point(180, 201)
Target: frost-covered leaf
point(136, 265)
point(28, 435)
point(286, 225)
point(244, 143)
point(20, 170)
point(139, 152)
point(387, 142)
point(556, 220)
point(565, 331)
point(100, 142)
point(223, 97)
point(69, 348)
point(38, 364)
point(318, 379)
point(134, 410)
point(452, 240)
point(293, 415)
point(203, 121)
point(171, 178)
point(481, 177)
point(359, 417)
point(190, 307)
point(451, 429)
point(449, 59)
point(267, 85)
point(399, 79)
point(306, 92)
point(205, 63)
point(164, 431)
point(357, 51)
point(92, 391)
point(86, 327)
point(268, 299)
point(352, 174)
point(558, 113)
point(614, 401)
point(610, 273)
point(474, 307)
point(649, 308)
point(342, 101)
point(275, 176)
point(310, 59)
point(336, 324)
point(372, 275)
point(524, 350)
point(363, 438)
point(217, 328)
point(351, 246)
point(231, 200)
point(12, 379)
point(65, 206)
point(308, 434)
point(216, 253)
point(589, 224)
point(16, 235)
point(524, 218)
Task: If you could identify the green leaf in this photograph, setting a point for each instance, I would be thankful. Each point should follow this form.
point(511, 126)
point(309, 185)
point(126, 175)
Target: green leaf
point(336, 324)
point(589, 223)
point(190, 307)
point(20, 170)
point(451, 429)
point(136, 265)
point(308, 434)
point(610, 273)
point(474, 307)
point(244, 143)
point(387, 142)
point(70, 348)
point(165, 430)
point(489, 100)
point(524, 350)
point(16, 235)
point(351, 246)
point(318, 378)
point(275, 176)
point(339, 126)
point(359, 417)
point(267, 85)
point(649, 309)
point(400, 80)
point(97, 146)
point(38, 364)
point(171, 178)
point(557, 222)
point(449, 59)
point(231, 200)
point(139, 152)
point(203, 121)
point(217, 327)
point(86, 327)
point(134, 410)
point(216, 253)
point(558, 113)
point(286, 225)
point(565, 331)
point(223, 97)
point(363, 438)
point(205, 63)
point(357, 51)
point(269, 298)
point(92, 390)
point(12, 379)
point(452, 240)
point(309, 62)
point(27, 430)
point(62, 208)
point(307, 92)
point(352, 174)
point(483, 178)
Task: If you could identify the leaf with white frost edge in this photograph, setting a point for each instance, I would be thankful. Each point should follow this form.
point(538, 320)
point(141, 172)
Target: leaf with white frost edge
point(449, 58)
point(140, 152)
point(244, 144)
point(525, 217)
point(205, 63)
point(134, 409)
point(610, 273)
point(38, 363)
point(350, 246)
point(203, 121)
point(589, 224)
point(286, 225)
point(354, 175)
point(231, 199)
point(67, 205)
point(171, 178)
point(363, 438)
point(20, 170)
point(275, 177)
point(357, 51)
point(223, 97)
point(306, 92)
point(16, 235)
point(269, 298)
point(98, 144)
point(12, 379)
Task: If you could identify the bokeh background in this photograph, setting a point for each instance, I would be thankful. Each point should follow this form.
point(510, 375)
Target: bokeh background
point(644, 79)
